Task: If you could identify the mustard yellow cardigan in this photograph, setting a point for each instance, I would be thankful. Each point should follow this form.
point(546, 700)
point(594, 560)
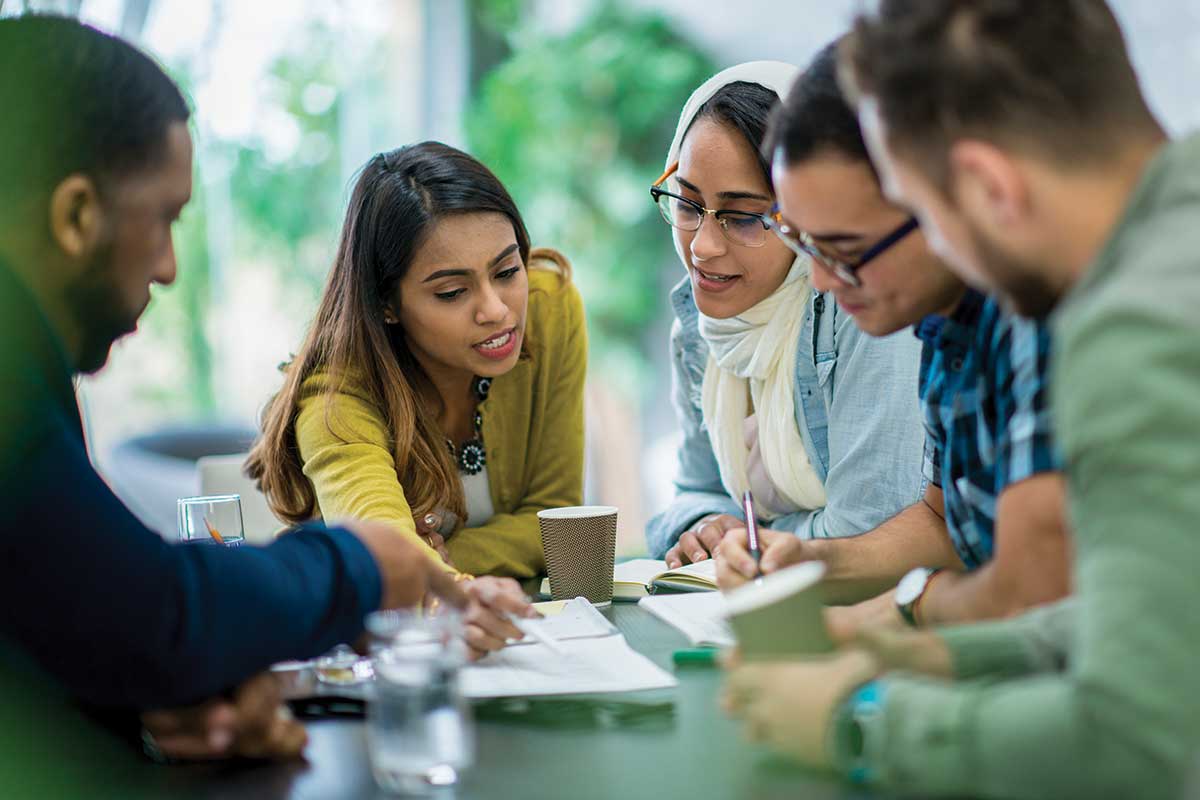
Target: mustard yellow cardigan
point(532, 432)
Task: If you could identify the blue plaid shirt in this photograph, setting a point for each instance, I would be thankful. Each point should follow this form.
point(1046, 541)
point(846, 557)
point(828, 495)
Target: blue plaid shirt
point(983, 385)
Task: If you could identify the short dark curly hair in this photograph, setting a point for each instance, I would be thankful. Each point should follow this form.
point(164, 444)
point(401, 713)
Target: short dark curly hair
point(1048, 77)
point(815, 118)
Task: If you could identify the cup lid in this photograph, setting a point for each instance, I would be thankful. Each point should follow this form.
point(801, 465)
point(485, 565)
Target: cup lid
point(774, 587)
point(577, 512)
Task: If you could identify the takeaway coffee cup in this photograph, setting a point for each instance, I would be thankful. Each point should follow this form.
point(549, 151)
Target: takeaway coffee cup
point(580, 543)
point(781, 615)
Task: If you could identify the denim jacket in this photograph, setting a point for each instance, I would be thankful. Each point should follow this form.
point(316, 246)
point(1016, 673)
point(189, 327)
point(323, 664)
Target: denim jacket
point(856, 408)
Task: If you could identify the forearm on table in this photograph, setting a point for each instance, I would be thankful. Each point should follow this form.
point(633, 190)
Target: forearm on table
point(1030, 566)
point(984, 594)
point(861, 567)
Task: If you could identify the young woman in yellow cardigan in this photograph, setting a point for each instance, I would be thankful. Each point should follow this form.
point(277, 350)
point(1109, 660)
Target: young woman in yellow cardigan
point(442, 380)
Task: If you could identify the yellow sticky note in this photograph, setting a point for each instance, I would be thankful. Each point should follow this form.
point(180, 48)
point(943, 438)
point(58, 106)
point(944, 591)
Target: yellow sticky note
point(551, 608)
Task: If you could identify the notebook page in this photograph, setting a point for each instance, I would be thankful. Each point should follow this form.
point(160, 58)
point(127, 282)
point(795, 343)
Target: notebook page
point(699, 616)
point(639, 570)
point(706, 569)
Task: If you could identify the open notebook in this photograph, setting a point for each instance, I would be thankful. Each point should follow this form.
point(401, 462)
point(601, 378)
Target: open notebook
point(633, 580)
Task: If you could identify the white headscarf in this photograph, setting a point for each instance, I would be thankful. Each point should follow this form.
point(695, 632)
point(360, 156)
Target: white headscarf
point(753, 355)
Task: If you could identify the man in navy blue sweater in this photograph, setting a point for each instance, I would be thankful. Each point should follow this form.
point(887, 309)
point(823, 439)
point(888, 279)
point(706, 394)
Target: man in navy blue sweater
point(95, 166)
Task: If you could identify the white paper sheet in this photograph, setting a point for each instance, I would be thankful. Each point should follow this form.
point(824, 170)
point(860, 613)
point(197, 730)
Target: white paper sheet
point(604, 664)
point(565, 619)
point(700, 616)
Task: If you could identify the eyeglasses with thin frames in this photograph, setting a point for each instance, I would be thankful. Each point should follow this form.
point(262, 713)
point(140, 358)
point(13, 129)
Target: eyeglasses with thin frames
point(802, 244)
point(743, 228)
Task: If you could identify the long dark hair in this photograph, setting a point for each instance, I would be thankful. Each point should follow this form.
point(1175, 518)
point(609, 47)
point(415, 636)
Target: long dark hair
point(397, 198)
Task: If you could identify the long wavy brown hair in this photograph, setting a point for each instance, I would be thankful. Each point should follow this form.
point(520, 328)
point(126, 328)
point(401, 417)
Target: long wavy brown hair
point(398, 196)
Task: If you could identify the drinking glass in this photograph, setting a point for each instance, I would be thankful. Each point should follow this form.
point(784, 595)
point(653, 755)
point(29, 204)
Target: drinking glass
point(419, 730)
point(214, 520)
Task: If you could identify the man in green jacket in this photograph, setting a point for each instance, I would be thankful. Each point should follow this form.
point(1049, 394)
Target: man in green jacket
point(1017, 132)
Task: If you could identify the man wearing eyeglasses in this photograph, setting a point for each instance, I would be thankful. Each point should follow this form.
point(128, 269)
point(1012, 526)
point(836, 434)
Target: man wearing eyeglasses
point(987, 539)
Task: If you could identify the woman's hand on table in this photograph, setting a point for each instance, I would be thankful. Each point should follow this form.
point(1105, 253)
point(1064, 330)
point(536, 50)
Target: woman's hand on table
point(701, 540)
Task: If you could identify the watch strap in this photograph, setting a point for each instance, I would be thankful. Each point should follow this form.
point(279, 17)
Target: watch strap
point(858, 732)
point(909, 611)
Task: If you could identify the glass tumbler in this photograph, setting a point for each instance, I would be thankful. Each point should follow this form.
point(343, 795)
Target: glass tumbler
point(213, 520)
point(420, 734)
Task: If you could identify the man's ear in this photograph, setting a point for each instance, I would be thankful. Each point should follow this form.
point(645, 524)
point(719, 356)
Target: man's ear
point(987, 184)
point(76, 217)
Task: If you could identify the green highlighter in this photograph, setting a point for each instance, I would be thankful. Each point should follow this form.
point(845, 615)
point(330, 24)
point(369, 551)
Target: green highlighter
point(696, 657)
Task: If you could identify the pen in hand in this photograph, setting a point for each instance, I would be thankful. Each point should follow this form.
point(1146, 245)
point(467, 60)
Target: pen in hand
point(752, 532)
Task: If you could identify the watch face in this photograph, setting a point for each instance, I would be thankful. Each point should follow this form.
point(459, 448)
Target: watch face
point(911, 586)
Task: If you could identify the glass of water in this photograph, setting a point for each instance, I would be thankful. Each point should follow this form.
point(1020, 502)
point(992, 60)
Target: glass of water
point(419, 730)
point(215, 520)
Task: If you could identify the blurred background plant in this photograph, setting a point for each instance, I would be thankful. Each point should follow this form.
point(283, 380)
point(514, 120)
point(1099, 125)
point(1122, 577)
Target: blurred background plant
point(574, 124)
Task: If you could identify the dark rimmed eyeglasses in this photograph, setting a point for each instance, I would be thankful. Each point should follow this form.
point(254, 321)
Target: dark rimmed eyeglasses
point(743, 228)
point(802, 244)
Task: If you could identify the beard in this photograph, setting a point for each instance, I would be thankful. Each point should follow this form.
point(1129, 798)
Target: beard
point(1023, 287)
point(96, 303)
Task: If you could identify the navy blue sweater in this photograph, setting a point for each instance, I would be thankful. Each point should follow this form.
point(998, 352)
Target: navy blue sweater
point(119, 617)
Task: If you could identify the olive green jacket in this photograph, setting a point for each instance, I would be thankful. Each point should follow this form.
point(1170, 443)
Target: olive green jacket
point(1099, 696)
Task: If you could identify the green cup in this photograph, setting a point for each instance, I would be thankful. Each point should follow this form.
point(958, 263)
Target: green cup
point(781, 615)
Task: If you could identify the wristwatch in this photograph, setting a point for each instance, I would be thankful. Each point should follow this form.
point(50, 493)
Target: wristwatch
point(909, 592)
point(856, 735)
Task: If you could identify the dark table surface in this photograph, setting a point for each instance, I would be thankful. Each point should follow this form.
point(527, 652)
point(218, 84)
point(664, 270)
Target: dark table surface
point(672, 743)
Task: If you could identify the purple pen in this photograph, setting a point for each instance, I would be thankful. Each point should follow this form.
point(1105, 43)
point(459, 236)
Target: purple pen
point(751, 529)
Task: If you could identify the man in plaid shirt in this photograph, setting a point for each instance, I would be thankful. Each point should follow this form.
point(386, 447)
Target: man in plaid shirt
point(983, 389)
point(987, 539)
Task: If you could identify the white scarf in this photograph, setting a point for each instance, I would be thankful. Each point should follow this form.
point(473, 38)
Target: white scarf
point(753, 356)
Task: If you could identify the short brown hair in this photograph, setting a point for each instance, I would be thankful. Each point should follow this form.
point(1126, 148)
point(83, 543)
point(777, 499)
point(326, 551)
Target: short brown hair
point(1051, 77)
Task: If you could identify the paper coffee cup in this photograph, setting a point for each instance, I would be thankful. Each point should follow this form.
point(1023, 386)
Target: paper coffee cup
point(580, 544)
point(781, 615)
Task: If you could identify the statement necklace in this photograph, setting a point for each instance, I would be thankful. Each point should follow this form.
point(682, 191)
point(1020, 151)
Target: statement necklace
point(470, 455)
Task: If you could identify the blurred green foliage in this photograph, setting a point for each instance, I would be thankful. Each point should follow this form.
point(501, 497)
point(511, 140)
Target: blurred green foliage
point(284, 203)
point(575, 123)
point(252, 204)
point(577, 126)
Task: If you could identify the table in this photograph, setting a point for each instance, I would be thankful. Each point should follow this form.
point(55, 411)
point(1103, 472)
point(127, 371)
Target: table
point(665, 744)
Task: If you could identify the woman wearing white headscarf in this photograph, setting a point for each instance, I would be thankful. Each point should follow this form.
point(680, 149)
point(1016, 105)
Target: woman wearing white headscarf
point(776, 389)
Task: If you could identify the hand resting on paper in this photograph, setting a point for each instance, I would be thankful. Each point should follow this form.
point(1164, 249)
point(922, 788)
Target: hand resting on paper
point(486, 619)
point(409, 576)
